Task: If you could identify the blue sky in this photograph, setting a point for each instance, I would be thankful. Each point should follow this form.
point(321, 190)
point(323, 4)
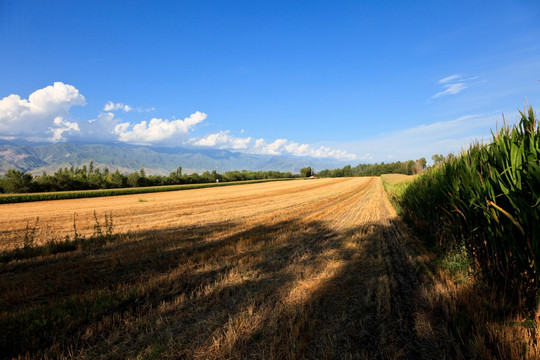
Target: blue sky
point(361, 81)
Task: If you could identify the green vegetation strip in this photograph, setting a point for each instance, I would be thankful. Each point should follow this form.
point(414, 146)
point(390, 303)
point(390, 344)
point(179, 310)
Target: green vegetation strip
point(18, 198)
point(487, 201)
point(395, 190)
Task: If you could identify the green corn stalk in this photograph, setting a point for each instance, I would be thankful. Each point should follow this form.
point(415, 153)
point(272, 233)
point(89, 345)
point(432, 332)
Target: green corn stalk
point(489, 197)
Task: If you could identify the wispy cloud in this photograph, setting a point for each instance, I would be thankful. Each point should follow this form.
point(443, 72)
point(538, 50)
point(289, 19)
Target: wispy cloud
point(449, 78)
point(450, 89)
point(426, 140)
point(452, 85)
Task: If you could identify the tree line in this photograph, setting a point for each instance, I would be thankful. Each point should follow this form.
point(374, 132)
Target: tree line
point(91, 178)
point(399, 167)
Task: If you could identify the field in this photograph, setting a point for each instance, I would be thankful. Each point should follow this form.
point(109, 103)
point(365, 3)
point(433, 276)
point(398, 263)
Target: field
point(318, 269)
point(145, 211)
point(394, 179)
point(78, 194)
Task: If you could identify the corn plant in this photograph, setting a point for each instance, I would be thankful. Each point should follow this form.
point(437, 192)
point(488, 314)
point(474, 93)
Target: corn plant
point(488, 198)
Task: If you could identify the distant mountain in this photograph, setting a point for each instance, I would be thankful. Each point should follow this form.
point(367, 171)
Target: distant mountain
point(36, 158)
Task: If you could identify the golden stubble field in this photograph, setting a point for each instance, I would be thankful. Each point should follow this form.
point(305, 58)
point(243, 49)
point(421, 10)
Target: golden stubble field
point(159, 211)
point(318, 269)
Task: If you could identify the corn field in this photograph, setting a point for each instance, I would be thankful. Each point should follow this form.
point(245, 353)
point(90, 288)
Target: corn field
point(488, 200)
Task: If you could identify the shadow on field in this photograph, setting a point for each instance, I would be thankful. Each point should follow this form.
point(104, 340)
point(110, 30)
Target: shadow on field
point(288, 289)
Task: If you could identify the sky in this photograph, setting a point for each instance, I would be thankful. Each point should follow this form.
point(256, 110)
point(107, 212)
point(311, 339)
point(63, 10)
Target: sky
point(358, 81)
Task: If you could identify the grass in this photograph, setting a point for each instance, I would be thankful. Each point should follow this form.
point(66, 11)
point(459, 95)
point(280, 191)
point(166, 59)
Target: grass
point(395, 185)
point(103, 234)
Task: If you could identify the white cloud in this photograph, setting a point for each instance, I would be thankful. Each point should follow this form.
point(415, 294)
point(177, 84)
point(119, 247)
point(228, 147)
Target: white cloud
point(452, 85)
point(222, 140)
point(62, 126)
point(425, 140)
point(274, 148)
point(39, 113)
point(449, 78)
point(450, 89)
point(100, 129)
point(45, 116)
point(284, 146)
point(158, 130)
point(110, 106)
point(366, 157)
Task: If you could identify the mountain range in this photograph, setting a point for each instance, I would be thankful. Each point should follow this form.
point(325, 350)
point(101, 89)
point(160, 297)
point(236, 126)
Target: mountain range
point(35, 158)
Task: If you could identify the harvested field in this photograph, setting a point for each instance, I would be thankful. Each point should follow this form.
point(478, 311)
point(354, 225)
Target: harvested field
point(319, 269)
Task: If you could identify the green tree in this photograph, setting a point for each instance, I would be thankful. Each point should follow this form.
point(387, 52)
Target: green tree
point(347, 171)
point(420, 165)
point(306, 171)
point(133, 179)
point(176, 175)
point(118, 180)
point(16, 181)
point(437, 159)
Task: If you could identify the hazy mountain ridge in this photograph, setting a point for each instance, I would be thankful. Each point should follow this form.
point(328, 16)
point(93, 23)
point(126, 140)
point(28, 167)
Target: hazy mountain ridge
point(127, 158)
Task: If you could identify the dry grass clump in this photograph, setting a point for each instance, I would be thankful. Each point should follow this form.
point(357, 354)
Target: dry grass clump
point(469, 321)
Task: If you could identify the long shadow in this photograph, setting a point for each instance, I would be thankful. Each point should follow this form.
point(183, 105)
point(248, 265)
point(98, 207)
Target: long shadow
point(352, 314)
point(93, 268)
point(366, 309)
point(86, 273)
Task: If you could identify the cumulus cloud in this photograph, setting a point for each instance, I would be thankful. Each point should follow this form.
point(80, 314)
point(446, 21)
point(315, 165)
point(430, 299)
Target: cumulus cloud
point(110, 106)
point(158, 130)
point(99, 129)
point(222, 140)
point(452, 85)
point(284, 146)
point(62, 126)
point(45, 111)
point(45, 116)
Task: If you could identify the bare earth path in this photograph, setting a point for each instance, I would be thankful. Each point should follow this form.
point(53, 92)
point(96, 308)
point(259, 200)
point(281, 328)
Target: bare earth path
point(316, 269)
